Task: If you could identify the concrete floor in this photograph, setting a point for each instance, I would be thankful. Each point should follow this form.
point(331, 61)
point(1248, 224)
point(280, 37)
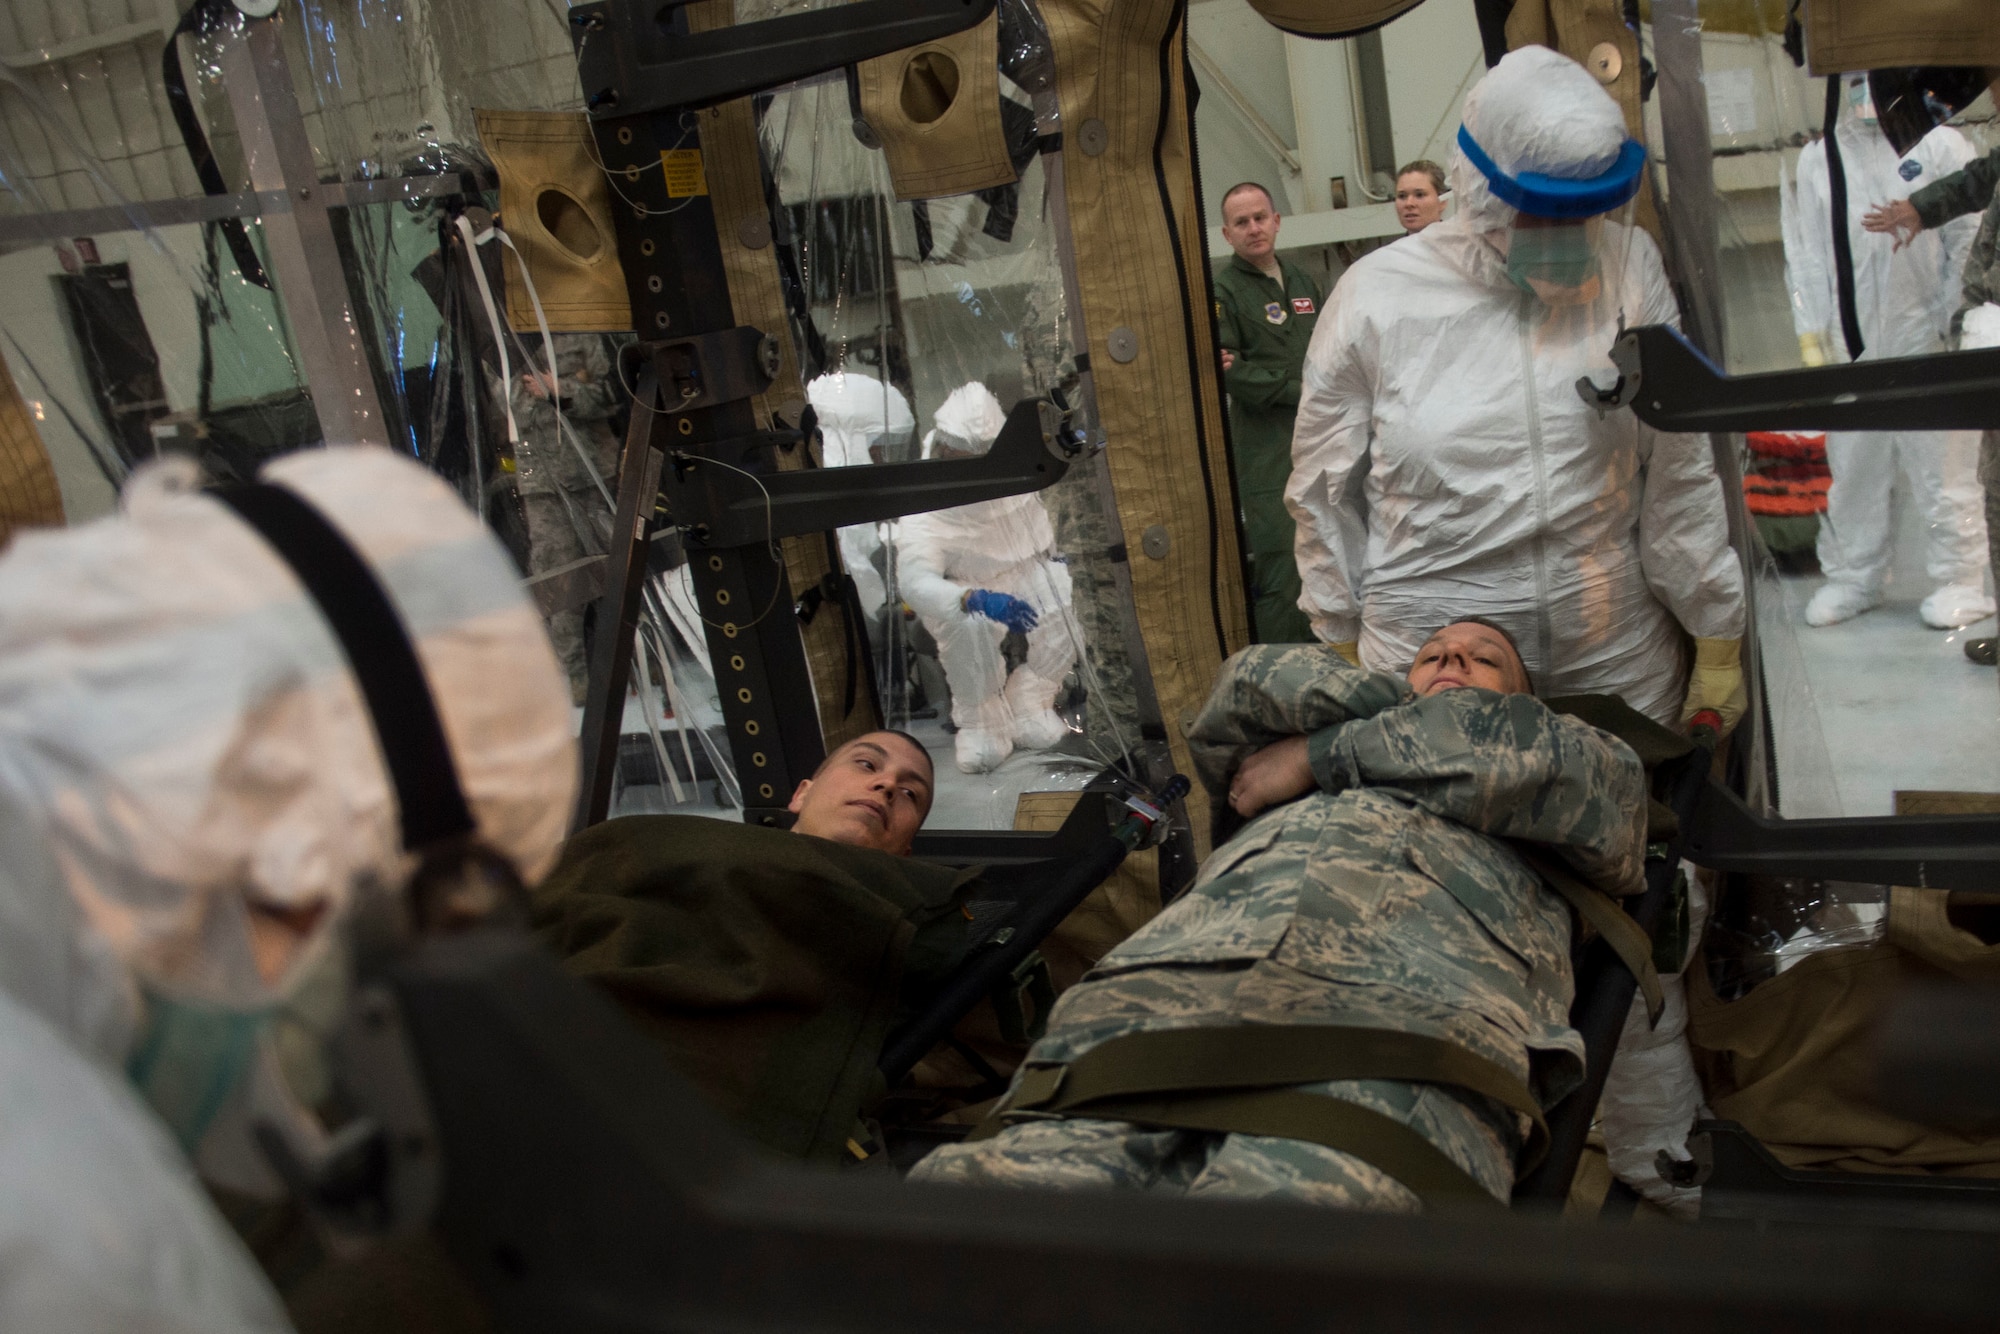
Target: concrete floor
point(1877, 704)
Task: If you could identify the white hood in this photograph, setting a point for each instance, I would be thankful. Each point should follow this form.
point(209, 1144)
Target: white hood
point(179, 719)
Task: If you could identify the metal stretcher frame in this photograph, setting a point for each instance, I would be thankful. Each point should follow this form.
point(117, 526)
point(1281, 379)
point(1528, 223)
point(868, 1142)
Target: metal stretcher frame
point(607, 1197)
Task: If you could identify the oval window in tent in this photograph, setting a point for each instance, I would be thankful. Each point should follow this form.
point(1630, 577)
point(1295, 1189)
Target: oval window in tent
point(930, 86)
point(569, 223)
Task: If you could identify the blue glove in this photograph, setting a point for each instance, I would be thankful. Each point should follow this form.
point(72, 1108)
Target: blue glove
point(1005, 608)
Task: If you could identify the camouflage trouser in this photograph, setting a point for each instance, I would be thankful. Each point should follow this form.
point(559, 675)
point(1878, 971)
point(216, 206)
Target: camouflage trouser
point(553, 540)
point(1111, 1155)
point(1989, 476)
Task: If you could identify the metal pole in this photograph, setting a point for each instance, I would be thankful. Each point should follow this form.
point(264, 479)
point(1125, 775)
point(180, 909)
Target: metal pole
point(299, 236)
point(1692, 239)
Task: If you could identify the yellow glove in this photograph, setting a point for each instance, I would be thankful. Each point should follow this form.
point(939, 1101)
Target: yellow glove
point(1717, 681)
point(1349, 649)
point(1812, 349)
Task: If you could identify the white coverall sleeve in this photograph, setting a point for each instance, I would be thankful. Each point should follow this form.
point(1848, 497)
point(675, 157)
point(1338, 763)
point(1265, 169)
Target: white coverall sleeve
point(1807, 231)
point(1329, 465)
point(1683, 519)
point(920, 570)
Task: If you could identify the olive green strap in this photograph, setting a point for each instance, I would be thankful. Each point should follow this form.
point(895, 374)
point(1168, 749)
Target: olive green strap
point(1380, 1141)
point(1626, 938)
point(1237, 1070)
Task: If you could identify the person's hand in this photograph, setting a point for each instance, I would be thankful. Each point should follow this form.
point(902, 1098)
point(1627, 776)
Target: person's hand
point(1271, 777)
point(1716, 682)
point(1899, 218)
point(533, 382)
point(1228, 359)
point(1005, 608)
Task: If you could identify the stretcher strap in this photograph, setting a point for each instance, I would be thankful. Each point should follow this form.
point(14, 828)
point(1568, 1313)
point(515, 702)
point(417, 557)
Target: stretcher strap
point(1243, 1080)
point(379, 652)
point(1604, 914)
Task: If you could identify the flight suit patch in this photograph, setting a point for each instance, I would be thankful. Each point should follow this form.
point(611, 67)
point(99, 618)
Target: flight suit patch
point(1274, 311)
point(1302, 305)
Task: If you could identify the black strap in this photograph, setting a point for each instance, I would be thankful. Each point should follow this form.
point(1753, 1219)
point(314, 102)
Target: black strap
point(199, 19)
point(379, 653)
point(1843, 248)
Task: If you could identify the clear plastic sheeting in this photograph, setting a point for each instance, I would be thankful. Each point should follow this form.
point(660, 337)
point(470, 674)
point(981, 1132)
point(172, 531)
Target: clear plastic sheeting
point(1870, 561)
point(133, 329)
point(998, 630)
point(156, 308)
point(1771, 923)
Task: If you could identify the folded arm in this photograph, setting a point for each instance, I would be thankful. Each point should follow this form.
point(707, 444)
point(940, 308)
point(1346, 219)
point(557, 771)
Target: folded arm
point(1504, 765)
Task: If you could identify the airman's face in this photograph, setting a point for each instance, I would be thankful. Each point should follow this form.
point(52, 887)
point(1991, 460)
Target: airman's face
point(874, 792)
point(1418, 204)
point(1467, 654)
point(1250, 225)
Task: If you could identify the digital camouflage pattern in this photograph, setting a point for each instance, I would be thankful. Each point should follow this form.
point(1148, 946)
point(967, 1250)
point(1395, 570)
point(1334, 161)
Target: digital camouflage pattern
point(1982, 286)
point(1387, 899)
point(566, 514)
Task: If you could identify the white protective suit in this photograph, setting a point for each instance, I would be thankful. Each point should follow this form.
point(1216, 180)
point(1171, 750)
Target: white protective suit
point(1443, 464)
point(856, 410)
point(1904, 300)
point(1003, 546)
point(182, 740)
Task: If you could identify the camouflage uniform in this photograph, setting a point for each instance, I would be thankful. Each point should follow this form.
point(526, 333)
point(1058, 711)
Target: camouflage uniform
point(1385, 899)
point(566, 514)
point(1982, 286)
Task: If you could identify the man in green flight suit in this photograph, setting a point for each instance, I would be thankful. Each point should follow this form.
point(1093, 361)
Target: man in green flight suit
point(1264, 314)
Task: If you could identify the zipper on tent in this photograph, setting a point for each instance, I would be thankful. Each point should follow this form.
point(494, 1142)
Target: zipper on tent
point(1543, 628)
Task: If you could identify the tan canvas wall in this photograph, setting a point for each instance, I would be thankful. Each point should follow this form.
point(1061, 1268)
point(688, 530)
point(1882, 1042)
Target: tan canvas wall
point(28, 491)
point(1138, 242)
point(1843, 35)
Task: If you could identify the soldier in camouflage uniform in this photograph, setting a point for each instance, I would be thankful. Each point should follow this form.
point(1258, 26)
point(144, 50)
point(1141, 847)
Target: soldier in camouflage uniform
point(1388, 898)
point(566, 514)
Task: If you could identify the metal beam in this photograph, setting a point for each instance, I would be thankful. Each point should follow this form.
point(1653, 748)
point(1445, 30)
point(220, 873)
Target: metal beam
point(311, 279)
point(142, 214)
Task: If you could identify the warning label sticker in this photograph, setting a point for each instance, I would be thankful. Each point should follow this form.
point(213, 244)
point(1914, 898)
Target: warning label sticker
point(685, 176)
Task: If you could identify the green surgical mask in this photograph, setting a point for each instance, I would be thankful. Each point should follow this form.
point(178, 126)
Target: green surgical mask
point(190, 1058)
point(1558, 264)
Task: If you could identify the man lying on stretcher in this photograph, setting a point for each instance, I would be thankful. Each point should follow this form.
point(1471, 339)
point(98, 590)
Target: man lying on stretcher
point(1363, 1000)
point(770, 964)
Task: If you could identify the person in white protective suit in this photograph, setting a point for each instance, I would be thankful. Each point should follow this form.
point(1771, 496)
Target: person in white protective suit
point(856, 412)
point(192, 799)
point(1904, 299)
point(1444, 465)
point(975, 572)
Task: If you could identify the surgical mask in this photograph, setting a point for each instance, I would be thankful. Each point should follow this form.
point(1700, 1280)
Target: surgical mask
point(1860, 101)
point(1557, 264)
point(190, 1057)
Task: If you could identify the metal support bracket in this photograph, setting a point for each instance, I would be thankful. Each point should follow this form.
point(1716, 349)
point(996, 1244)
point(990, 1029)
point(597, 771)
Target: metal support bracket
point(724, 507)
point(1933, 852)
point(703, 370)
point(1673, 387)
point(630, 60)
